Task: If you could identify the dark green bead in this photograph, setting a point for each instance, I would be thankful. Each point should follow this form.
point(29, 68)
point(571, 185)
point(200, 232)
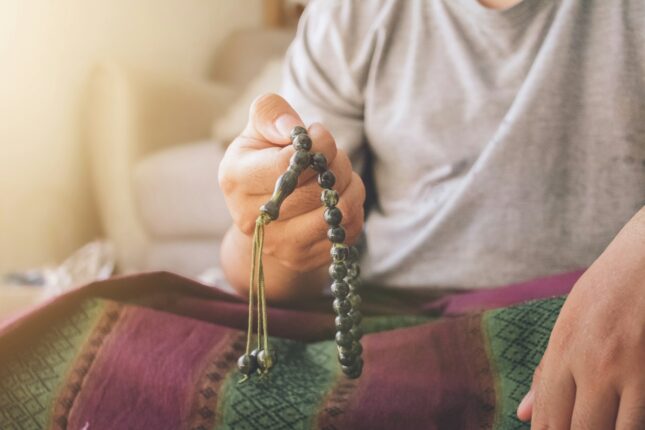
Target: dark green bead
point(296, 131)
point(354, 255)
point(329, 198)
point(319, 162)
point(357, 348)
point(356, 332)
point(344, 339)
point(271, 208)
point(299, 160)
point(338, 252)
point(337, 271)
point(247, 364)
point(344, 323)
point(266, 360)
point(342, 306)
point(354, 299)
point(339, 289)
point(333, 216)
point(354, 284)
point(336, 234)
point(355, 370)
point(326, 179)
point(346, 359)
point(302, 142)
point(356, 315)
point(353, 269)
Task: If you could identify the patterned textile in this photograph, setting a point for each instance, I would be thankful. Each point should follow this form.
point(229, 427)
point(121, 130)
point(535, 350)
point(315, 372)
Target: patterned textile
point(158, 351)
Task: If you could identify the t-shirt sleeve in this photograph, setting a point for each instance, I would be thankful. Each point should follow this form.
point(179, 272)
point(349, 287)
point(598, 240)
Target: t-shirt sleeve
point(326, 70)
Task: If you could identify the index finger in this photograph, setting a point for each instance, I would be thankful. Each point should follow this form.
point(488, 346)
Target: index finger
point(256, 171)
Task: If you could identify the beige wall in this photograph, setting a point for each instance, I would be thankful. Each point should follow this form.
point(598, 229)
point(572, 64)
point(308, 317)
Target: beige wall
point(47, 49)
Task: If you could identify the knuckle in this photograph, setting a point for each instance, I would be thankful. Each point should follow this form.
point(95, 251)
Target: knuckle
point(294, 259)
point(361, 186)
point(353, 235)
point(294, 265)
point(226, 182)
point(226, 171)
point(246, 224)
point(332, 151)
point(323, 141)
point(343, 163)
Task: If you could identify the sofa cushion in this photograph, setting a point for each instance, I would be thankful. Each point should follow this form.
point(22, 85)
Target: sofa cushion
point(177, 194)
point(186, 257)
point(231, 123)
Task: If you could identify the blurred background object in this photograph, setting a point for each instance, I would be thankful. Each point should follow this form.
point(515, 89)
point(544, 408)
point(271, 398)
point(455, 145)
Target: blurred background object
point(114, 118)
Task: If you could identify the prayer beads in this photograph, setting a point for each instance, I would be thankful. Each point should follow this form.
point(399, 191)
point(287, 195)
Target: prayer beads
point(343, 271)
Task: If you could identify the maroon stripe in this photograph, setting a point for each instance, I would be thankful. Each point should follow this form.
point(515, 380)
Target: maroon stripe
point(434, 376)
point(145, 373)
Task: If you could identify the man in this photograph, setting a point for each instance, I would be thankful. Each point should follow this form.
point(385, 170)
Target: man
point(506, 141)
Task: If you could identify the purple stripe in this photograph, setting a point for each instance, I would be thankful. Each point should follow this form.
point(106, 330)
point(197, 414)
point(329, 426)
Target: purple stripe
point(434, 376)
point(480, 300)
point(145, 374)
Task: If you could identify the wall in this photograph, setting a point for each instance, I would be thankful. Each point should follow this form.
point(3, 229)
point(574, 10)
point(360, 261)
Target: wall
point(47, 49)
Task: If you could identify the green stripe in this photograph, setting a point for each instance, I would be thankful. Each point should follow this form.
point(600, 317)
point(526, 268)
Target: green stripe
point(384, 323)
point(288, 397)
point(517, 339)
point(30, 382)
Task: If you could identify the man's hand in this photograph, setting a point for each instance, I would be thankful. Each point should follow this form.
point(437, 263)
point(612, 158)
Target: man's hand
point(296, 244)
point(592, 375)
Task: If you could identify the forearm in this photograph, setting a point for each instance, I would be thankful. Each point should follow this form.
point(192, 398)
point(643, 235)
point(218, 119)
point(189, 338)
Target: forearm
point(282, 284)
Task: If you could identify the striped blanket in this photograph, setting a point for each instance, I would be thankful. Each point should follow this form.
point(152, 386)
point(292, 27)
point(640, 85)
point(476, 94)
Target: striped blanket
point(158, 351)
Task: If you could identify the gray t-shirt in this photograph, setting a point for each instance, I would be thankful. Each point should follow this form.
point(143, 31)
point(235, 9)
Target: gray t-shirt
point(505, 145)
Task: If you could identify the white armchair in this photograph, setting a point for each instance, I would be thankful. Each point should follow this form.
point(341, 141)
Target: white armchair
point(132, 116)
point(154, 162)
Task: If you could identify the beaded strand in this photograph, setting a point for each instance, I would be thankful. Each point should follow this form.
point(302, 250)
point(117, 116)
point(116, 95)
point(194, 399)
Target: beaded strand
point(344, 269)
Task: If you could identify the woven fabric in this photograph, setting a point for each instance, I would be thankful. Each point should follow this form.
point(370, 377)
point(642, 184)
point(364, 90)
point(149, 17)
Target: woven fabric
point(158, 352)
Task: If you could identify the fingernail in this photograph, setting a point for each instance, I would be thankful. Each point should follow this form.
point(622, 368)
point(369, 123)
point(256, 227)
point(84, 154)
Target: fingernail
point(285, 123)
point(525, 401)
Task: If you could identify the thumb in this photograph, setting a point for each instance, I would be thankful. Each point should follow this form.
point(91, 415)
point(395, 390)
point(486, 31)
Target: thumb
point(525, 409)
point(271, 118)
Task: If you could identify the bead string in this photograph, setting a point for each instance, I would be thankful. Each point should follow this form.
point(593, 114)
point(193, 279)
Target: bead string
point(257, 287)
point(344, 270)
